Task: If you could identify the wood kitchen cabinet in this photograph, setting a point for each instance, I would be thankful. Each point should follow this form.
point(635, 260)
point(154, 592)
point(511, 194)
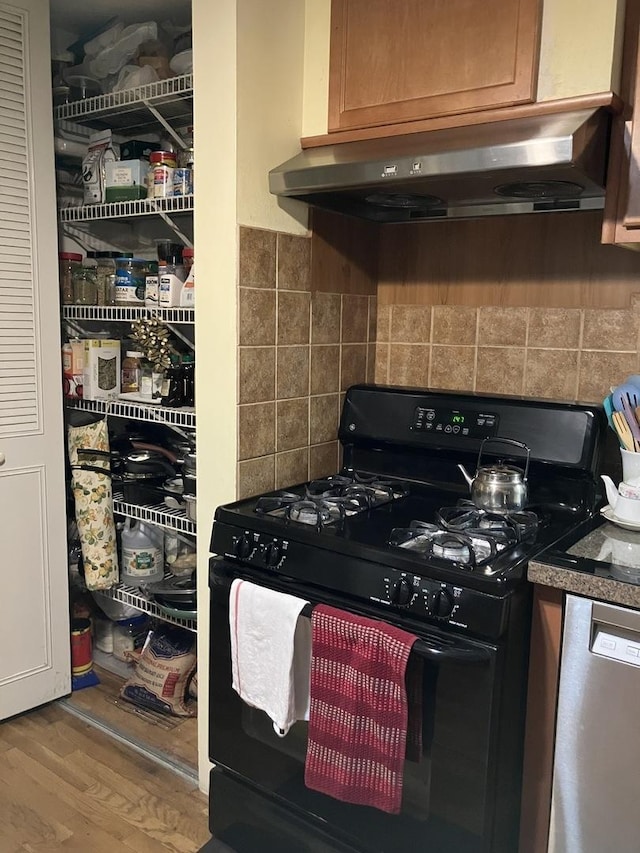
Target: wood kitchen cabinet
point(621, 224)
point(394, 61)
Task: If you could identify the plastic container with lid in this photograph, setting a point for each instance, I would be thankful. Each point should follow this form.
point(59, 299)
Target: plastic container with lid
point(129, 636)
point(130, 372)
point(105, 277)
point(67, 263)
point(161, 174)
point(85, 290)
point(131, 274)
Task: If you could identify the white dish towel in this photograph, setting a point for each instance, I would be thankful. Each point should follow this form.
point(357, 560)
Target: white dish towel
point(270, 652)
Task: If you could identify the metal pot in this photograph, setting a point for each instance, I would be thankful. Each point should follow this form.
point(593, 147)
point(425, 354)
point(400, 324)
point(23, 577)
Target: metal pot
point(499, 487)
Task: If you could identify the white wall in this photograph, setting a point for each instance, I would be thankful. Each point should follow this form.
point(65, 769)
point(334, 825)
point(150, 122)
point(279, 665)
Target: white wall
point(270, 78)
point(214, 45)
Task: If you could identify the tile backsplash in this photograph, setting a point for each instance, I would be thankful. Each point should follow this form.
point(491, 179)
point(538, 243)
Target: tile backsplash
point(298, 349)
point(558, 353)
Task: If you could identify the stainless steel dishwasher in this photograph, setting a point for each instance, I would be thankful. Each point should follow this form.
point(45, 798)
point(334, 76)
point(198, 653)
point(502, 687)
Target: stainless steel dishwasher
point(595, 803)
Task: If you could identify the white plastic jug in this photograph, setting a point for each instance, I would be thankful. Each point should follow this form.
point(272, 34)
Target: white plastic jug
point(142, 553)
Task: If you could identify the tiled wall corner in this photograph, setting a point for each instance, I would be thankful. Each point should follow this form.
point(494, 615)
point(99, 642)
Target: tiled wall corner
point(298, 349)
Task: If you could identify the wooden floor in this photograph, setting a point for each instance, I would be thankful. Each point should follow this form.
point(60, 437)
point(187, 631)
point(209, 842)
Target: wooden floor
point(66, 786)
point(175, 737)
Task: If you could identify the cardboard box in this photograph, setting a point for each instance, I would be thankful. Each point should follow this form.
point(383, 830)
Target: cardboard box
point(101, 373)
point(126, 180)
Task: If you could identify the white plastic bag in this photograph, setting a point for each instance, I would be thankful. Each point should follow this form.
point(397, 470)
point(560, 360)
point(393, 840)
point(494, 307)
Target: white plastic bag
point(112, 59)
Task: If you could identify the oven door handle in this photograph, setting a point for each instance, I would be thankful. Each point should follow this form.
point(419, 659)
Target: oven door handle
point(454, 653)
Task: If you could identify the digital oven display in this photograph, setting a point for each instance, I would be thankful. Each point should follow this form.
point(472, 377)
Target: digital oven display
point(458, 422)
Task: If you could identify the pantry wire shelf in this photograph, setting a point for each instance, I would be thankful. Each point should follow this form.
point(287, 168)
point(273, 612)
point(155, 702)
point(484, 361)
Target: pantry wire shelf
point(184, 417)
point(134, 597)
point(134, 110)
point(127, 209)
point(163, 516)
point(126, 314)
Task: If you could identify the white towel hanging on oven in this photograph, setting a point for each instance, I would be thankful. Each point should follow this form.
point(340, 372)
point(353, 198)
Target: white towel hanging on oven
point(270, 652)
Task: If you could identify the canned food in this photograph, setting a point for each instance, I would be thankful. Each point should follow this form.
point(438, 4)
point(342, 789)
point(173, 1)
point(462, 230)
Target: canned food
point(182, 182)
point(131, 275)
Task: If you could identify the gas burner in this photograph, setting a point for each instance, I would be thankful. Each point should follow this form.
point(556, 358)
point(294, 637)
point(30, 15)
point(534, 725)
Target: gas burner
point(369, 489)
point(506, 528)
point(274, 504)
point(467, 549)
point(318, 513)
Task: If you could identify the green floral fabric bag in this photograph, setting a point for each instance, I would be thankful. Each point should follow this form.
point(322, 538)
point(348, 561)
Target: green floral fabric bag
point(88, 446)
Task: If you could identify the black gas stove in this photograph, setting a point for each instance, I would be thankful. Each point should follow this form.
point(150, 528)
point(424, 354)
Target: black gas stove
point(396, 527)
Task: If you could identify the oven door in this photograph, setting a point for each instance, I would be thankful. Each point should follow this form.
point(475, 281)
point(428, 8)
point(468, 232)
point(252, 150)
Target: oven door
point(470, 760)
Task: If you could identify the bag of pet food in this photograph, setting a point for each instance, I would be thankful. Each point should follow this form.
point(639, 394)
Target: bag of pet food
point(162, 671)
point(102, 150)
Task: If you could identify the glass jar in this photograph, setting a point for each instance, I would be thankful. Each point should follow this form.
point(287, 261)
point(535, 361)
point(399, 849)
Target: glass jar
point(67, 263)
point(105, 277)
point(187, 260)
point(130, 372)
point(131, 275)
point(160, 181)
point(84, 285)
point(146, 380)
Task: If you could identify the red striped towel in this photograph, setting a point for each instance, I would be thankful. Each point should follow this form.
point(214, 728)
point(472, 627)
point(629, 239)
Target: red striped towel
point(358, 713)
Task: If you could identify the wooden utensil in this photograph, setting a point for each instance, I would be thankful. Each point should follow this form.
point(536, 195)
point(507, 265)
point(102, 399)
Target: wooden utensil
point(623, 430)
point(630, 416)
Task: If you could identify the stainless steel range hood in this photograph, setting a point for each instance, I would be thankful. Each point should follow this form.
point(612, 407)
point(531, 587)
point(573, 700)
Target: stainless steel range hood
point(550, 162)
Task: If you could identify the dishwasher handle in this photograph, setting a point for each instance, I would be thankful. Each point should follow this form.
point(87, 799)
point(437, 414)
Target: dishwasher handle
point(615, 633)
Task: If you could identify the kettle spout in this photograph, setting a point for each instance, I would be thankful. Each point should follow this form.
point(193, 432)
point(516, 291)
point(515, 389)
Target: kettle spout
point(612, 492)
point(466, 476)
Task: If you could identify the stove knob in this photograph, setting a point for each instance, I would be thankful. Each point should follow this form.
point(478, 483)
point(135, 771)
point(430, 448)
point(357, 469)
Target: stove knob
point(441, 604)
point(272, 553)
point(401, 592)
point(243, 546)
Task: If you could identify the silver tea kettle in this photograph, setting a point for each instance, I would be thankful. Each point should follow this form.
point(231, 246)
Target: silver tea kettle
point(499, 487)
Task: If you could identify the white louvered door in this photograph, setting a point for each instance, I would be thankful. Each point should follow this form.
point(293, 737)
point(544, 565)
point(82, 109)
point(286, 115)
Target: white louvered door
point(34, 615)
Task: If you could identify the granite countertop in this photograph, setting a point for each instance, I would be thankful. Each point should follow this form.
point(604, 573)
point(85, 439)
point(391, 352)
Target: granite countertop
point(600, 561)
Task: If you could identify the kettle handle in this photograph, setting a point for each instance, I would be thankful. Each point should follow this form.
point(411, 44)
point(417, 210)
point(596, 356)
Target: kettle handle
point(512, 441)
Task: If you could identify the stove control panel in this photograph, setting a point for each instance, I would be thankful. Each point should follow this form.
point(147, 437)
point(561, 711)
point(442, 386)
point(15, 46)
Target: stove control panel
point(259, 549)
point(429, 599)
point(454, 422)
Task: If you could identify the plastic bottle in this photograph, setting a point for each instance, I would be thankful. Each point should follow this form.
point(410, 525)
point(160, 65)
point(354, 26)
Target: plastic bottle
point(142, 553)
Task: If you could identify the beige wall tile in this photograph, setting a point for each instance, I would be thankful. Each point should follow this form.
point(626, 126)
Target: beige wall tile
point(454, 324)
point(410, 324)
point(292, 424)
point(323, 460)
point(294, 262)
point(293, 372)
point(325, 368)
point(382, 364)
point(255, 476)
point(555, 327)
point(552, 373)
point(371, 362)
point(257, 257)
point(325, 318)
point(408, 365)
point(610, 330)
point(373, 315)
point(257, 367)
point(292, 467)
point(453, 367)
point(293, 317)
point(500, 370)
point(353, 365)
point(355, 319)
point(600, 370)
point(256, 430)
point(383, 324)
point(502, 326)
point(323, 418)
point(257, 317)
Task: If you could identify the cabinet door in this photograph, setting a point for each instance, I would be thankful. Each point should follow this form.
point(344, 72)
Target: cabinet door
point(621, 224)
point(400, 60)
point(34, 613)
